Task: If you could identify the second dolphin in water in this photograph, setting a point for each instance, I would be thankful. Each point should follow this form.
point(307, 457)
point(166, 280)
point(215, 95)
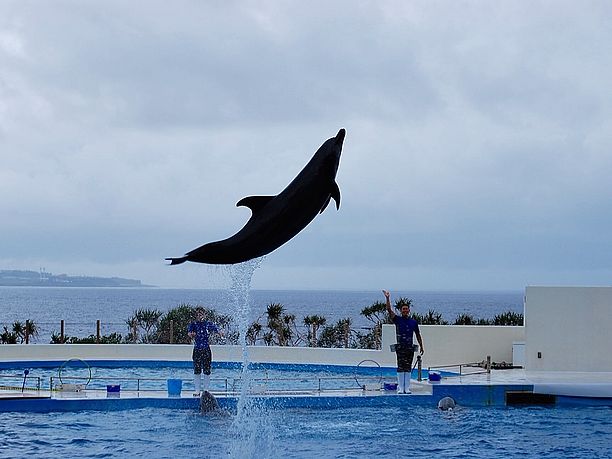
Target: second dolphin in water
point(276, 219)
point(208, 403)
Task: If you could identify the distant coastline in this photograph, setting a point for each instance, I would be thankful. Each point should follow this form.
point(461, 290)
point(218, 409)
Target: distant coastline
point(42, 278)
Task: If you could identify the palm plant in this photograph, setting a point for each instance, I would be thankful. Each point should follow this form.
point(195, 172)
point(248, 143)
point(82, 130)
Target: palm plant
point(279, 325)
point(430, 318)
point(338, 335)
point(378, 315)
point(508, 318)
point(313, 323)
point(8, 337)
point(21, 330)
point(402, 301)
point(252, 334)
point(465, 319)
point(143, 325)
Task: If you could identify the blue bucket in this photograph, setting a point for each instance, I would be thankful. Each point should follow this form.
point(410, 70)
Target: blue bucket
point(435, 377)
point(113, 388)
point(390, 386)
point(175, 386)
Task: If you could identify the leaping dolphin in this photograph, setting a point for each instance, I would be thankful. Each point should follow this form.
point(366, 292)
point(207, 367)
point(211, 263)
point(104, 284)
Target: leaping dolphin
point(276, 219)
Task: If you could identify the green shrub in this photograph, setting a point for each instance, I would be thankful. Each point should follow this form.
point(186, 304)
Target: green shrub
point(338, 335)
point(508, 318)
point(468, 319)
point(431, 318)
point(113, 338)
point(182, 315)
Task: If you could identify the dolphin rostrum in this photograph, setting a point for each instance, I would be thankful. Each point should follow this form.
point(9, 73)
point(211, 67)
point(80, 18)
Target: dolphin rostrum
point(276, 219)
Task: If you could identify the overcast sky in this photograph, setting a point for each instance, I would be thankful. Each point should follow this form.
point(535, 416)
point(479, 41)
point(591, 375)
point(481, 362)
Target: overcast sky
point(478, 151)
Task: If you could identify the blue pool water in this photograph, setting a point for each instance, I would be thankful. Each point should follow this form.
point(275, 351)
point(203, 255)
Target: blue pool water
point(304, 433)
point(223, 377)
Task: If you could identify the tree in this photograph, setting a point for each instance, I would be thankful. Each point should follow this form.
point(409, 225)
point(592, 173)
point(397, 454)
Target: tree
point(177, 320)
point(468, 319)
point(378, 315)
point(181, 316)
point(113, 338)
point(19, 332)
point(313, 323)
point(338, 335)
point(402, 301)
point(143, 326)
point(252, 334)
point(431, 318)
point(282, 330)
point(508, 318)
point(8, 337)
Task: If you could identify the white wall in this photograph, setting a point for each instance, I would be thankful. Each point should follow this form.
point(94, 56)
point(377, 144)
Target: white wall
point(444, 345)
point(454, 344)
point(570, 326)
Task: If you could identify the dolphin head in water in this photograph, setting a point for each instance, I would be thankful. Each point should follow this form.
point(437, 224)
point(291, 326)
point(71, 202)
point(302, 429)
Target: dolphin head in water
point(208, 403)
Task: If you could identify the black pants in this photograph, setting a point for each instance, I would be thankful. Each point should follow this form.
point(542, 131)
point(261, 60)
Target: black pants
point(202, 358)
point(405, 355)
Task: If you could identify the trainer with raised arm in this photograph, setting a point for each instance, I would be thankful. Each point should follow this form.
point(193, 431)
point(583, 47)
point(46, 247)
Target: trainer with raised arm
point(405, 328)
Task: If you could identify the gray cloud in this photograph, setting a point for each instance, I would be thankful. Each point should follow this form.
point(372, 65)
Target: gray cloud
point(477, 153)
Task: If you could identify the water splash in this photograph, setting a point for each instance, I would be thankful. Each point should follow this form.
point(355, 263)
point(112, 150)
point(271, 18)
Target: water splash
point(251, 431)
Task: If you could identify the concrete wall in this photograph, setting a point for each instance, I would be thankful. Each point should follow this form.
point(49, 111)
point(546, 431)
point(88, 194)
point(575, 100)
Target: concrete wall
point(448, 344)
point(571, 328)
point(444, 345)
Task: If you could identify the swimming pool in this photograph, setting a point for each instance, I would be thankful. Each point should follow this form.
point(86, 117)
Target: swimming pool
point(299, 433)
point(153, 376)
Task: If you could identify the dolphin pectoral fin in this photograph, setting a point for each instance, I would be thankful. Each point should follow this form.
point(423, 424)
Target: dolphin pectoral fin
point(335, 193)
point(325, 205)
point(254, 202)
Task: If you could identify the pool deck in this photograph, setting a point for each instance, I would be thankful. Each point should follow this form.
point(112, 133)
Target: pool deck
point(499, 388)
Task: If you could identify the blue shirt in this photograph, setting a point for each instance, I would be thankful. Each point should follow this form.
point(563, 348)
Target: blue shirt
point(404, 329)
point(202, 331)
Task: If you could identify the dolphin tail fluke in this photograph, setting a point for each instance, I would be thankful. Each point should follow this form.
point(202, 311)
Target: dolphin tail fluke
point(177, 261)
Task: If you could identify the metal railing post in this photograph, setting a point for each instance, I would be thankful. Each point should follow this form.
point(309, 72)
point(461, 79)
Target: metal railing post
point(98, 331)
point(419, 368)
point(488, 364)
point(62, 337)
point(27, 332)
point(171, 331)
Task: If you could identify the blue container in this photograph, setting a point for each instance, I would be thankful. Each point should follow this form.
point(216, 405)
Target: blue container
point(174, 387)
point(113, 388)
point(390, 386)
point(435, 376)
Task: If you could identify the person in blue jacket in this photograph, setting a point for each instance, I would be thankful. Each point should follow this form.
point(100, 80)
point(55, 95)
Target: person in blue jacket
point(405, 328)
point(200, 331)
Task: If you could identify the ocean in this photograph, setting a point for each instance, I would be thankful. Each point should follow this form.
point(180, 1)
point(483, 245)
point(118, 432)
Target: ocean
point(81, 307)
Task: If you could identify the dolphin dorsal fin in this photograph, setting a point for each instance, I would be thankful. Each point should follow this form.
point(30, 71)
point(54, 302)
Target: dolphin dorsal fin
point(254, 202)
